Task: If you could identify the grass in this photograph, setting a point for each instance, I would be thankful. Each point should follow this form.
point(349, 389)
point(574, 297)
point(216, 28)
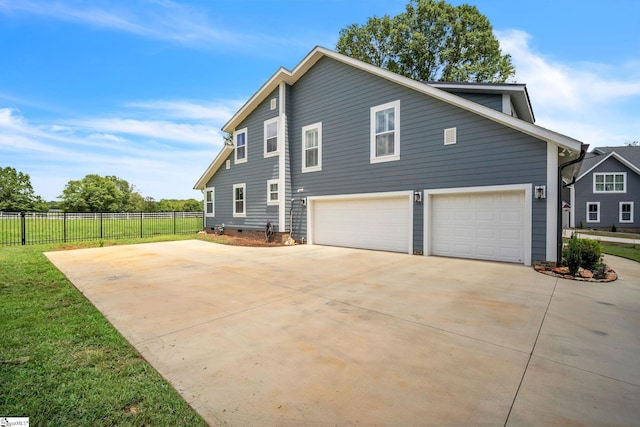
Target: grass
point(61, 361)
point(624, 250)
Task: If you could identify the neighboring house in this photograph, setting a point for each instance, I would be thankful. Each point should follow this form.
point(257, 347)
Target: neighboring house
point(349, 154)
point(607, 189)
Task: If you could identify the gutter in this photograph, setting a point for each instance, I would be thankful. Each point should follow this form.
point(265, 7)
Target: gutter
point(583, 152)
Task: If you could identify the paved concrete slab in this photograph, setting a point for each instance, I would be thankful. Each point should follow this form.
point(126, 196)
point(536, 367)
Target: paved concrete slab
point(312, 335)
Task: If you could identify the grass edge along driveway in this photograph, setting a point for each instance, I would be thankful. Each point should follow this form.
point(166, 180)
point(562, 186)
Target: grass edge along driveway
point(63, 363)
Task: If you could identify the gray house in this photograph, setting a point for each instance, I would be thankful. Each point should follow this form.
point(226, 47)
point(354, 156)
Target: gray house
point(607, 189)
point(340, 152)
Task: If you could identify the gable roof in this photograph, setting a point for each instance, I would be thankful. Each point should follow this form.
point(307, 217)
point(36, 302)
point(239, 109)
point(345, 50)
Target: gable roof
point(628, 156)
point(291, 77)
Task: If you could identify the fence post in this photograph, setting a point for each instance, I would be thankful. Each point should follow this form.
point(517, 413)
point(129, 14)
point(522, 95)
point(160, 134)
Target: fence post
point(23, 230)
point(174, 222)
point(100, 225)
point(141, 216)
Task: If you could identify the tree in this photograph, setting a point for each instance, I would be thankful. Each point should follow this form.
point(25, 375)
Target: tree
point(95, 193)
point(430, 41)
point(633, 144)
point(16, 192)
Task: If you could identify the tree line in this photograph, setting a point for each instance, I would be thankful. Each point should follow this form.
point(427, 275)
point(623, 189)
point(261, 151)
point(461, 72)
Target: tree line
point(93, 193)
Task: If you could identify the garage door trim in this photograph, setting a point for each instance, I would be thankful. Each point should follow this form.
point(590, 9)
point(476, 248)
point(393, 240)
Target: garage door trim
point(384, 195)
point(527, 188)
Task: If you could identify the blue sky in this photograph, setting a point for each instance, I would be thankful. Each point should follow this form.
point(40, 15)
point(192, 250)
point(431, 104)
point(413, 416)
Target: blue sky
point(140, 89)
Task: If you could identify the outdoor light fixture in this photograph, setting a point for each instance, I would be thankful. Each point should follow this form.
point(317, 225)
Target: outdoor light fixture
point(540, 192)
point(417, 197)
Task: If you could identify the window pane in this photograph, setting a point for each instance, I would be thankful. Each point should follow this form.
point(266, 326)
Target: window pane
point(240, 151)
point(272, 130)
point(385, 120)
point(311, 157)
point(311, 138)
point(209, 196)
point(384, 144)
point(272, 145)
point(209, 207)
point(239, 194)
point(240, 140)
point(239, 207)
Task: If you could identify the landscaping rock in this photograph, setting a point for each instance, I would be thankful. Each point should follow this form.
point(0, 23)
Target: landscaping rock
point(585, 273)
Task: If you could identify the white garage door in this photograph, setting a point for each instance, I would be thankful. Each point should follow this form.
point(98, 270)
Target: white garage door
point(382, 223)
point(487, 226)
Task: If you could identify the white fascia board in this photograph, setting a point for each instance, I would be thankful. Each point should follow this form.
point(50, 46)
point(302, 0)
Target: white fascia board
point(616, 156)
point(213, 167)
point(318, 52)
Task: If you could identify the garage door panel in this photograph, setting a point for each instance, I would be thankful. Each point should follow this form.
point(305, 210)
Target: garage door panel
point(370, 223)
point(482, 225)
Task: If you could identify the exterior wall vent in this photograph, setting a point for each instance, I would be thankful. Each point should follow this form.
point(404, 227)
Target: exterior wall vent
point(274, 103)
point(450, 136)
point(228, 164)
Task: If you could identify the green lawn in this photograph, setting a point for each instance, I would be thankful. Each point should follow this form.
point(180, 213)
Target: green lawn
point(61, 361)
point(624, 250)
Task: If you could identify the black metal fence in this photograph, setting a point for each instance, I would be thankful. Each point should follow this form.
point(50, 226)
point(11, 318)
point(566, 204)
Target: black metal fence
point(24, 228)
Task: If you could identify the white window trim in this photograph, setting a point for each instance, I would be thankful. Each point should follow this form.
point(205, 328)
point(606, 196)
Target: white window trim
point(213, 201)
point(233, 197)
point(278, 142)
point(587, 216)
point(269, 201)
point(372, 131)
point(246, 145)
point(624, 182)
point(620, 212)
point(304, 157)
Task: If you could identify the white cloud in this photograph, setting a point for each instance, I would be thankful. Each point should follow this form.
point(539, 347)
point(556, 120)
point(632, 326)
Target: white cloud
point(162, 158)
point(594, 103)
point(165, 20)
point(215, 113)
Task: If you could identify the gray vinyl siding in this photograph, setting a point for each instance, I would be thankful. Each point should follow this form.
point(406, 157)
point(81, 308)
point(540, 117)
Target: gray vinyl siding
point(254, 173)
point(609, 202)
point(493, 101)
point(341, 96)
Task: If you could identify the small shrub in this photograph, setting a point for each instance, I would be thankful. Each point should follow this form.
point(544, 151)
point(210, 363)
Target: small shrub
point(572, 254)
point(580, 225)
point(591, 253)
point(613, 228)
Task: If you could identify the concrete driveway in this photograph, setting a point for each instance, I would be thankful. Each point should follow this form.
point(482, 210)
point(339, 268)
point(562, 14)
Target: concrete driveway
point(312, 335)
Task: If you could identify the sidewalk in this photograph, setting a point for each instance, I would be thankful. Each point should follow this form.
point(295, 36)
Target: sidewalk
point(567, 233)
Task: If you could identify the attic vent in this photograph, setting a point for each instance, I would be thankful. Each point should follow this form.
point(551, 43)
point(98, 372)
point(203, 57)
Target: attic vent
point(228, 164)
point(273, 103)
point(450, 136)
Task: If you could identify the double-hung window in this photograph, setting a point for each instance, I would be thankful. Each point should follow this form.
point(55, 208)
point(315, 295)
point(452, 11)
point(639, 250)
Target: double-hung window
point(271, 137)
point(610, 182)
point(272, 192)
point(593, 211)
point(312, 148)
point(626, 211)
point(210, 201)
point(385, 132)
point(239, 200)
point(240, 142)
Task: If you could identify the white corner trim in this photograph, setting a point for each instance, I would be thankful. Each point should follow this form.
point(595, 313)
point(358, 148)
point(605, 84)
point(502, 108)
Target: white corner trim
point(528, 193)
point(572, 201)
point(552, 201)
point(506, 104)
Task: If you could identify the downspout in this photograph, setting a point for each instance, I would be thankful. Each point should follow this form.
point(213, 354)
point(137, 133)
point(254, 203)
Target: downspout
point(583, 152)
